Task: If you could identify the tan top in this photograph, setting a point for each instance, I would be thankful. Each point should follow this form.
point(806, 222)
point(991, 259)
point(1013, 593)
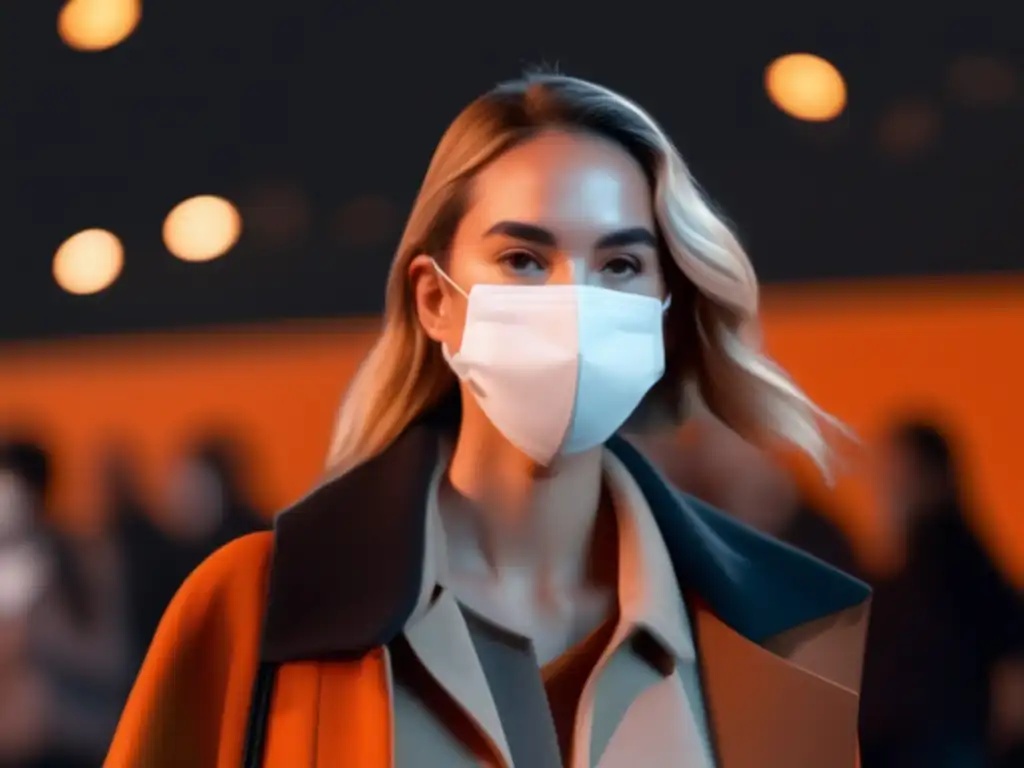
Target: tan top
point(468, 693)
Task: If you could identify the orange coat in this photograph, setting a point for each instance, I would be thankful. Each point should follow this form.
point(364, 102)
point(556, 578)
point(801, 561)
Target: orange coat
point(190, 704)
point(311, 608)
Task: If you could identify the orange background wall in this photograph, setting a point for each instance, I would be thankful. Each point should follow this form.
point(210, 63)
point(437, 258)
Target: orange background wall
point(865, 353)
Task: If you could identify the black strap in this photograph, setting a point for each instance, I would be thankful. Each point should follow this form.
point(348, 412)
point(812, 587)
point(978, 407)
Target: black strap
point(259, 711)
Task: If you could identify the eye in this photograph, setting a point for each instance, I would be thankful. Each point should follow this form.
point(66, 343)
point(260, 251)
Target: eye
point(522, 262)
point(622, 266)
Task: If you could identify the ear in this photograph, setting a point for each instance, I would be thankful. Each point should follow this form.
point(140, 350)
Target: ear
point(432, 299)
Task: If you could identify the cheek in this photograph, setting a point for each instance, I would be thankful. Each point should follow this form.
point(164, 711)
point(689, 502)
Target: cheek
point(672, 282)
point(465, 271)
point(455, 321)
point(652, 283)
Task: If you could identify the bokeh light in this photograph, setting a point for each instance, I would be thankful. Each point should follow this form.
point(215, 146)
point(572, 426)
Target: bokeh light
point(88, 262)
point(368, 221)
point(95, 25)
point(909, 129)
point(981, 82)
point(276, 212)
point(806, 87)
point(202, 228)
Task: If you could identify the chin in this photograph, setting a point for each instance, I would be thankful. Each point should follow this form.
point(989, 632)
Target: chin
point(560, 464)
point(544, 471)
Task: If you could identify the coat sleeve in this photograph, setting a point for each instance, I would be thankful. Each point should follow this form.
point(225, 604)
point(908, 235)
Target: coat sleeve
point(189, 705)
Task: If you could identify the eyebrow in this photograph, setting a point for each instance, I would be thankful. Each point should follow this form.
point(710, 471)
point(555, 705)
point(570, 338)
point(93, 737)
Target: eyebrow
point(531, 233)
point(627, 237)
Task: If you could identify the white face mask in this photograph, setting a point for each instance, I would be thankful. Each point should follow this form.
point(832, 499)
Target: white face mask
point(558, 369)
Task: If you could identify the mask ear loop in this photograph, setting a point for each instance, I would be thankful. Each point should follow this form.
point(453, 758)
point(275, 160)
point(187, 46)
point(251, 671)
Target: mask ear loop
point(453, 360)
point(444, 276)
point(666, 303)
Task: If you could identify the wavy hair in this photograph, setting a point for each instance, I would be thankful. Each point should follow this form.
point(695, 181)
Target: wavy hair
point(713, 349)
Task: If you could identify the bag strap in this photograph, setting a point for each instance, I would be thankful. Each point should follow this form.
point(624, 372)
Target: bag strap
point(259, 712)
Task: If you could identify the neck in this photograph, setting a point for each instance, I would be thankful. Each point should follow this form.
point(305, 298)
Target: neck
point(505, 513)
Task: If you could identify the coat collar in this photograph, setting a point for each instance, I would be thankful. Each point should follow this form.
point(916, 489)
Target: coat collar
point(349, 557)
point(650, 598)
point(648, 594)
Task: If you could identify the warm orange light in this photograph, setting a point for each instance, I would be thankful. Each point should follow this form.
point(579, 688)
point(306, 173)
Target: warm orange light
point(806, 87)
point(202, 228)
point(88, 262)
point(95, 25)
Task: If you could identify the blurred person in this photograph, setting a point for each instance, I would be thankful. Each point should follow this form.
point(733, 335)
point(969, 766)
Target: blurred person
point(489, 575)
point(152, 572)
point(940, 625)
point(207, 506)
point(59, 630)
point(209, 502)
point(24, 572)
point(709, 460)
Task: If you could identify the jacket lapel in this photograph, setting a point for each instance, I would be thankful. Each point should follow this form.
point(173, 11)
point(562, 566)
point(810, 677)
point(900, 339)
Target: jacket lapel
point(756, 584)
point(780, 710)
point(441, 641)
point(779, 635)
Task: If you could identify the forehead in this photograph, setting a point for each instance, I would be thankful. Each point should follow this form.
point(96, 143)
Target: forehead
point(565, 182)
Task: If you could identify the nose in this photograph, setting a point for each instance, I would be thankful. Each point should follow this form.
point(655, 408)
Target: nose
point(571, 270)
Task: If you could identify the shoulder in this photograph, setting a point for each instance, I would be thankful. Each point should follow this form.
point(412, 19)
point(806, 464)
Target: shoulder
point(793, 604)
point(234, 564)
point(758, 585)
point(190, 701)
point(233, 578)
point(215, 618)
point(781, 587)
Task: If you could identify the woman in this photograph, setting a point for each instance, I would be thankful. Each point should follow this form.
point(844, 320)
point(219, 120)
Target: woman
point(490, 576)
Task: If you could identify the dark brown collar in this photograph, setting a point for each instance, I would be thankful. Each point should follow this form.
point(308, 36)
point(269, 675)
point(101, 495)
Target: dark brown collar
point(348, 558)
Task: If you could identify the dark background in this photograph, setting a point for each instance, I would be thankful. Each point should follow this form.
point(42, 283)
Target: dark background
point(318, 120)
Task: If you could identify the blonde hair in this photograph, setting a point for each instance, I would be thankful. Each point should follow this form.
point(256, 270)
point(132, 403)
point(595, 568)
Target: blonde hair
point(713, 348)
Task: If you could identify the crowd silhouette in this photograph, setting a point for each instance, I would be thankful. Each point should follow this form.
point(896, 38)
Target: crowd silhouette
point(78, 611)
